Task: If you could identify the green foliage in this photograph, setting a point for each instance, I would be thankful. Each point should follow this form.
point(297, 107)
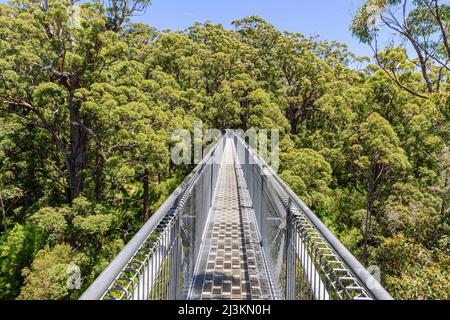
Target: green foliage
point(86, 116)
point(97, 224)
point(52, 220)
point(375, 144)
point(16, 253)
point(308, 174)
point(412, 271)
point(48, 275)
point(423, 26)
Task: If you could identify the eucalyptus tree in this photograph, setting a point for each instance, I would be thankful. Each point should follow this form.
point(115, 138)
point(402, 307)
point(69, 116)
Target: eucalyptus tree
point(377, 160)
point(45, 63)
point(309, 175)
point(119, 12)
point(263, 37)
point(88, 102)
point(423, 24)
point(305, 76)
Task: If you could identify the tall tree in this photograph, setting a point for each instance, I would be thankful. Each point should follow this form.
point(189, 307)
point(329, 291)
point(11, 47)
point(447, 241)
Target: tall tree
point(44, 83)
point(377, 160)
point(423, 24)
point(119, 12)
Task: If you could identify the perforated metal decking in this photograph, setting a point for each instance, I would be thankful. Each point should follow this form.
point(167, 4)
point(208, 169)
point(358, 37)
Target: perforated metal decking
point(231, 263)
point(234, 230)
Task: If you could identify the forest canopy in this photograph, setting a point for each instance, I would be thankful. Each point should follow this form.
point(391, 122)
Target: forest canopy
point(88, 106)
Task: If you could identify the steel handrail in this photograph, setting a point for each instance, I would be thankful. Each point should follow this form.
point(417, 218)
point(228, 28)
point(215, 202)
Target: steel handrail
point(101, 284)
point(357, 269)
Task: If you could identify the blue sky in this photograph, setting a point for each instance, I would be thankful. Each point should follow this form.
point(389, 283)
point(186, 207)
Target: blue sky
point(328, 18)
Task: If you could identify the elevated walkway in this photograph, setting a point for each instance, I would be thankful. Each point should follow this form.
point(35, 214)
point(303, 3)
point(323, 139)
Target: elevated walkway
point(231, 263)
point(234, 230)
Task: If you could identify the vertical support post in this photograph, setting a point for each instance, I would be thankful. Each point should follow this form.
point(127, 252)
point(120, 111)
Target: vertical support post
point(213, 158)
point(247, 165)
point(173, 260)
point(262, 216)
point(179, 287)
point(290, 255)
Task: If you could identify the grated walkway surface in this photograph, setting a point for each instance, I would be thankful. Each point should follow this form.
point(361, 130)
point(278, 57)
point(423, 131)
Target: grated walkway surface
point(231, 265)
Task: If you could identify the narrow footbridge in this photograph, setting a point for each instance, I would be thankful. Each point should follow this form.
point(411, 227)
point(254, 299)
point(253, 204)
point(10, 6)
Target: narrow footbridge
point(234, 230)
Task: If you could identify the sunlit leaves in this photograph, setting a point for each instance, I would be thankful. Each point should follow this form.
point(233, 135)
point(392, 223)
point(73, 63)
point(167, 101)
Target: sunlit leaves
point(47, 276)
point(52, 220)
point(308, 173)
point(351, 137)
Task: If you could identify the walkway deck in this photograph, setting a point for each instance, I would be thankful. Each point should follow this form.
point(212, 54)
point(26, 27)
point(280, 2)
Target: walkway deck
point(231, 264)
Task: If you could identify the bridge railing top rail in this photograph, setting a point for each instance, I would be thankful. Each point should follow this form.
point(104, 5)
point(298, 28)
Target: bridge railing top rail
point(103, 282)
point(358, 271)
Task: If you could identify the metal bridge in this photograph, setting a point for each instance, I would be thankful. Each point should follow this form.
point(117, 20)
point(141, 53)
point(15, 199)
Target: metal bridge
point(234, 230)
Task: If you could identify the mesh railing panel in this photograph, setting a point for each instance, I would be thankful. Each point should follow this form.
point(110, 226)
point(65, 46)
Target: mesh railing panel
point(160, 265)
point(305, 261)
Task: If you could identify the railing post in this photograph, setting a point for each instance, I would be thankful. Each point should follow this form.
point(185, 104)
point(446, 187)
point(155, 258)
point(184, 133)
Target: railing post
point(247, 164)
point(290, 255)
point(262, 205)
point(180, 262)
point(174, 260)
point(213, 159)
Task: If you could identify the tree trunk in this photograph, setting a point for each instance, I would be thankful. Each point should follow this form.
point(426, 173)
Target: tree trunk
point(98, 176)
point(367, 224)
point(293, 118)
point(3, 215)
point(444, 200)
point(422, 62)
point(244, 114)
point(78, 148)
point(423, 68)
point(442, 28)
point(145, 184)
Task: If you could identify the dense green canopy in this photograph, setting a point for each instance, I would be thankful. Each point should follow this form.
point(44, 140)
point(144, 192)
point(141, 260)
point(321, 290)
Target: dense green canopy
point(88, 106)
